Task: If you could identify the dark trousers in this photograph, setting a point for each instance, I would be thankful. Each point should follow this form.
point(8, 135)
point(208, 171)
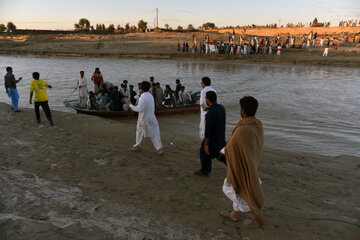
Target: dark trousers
point(205, 159)
point(46, 109)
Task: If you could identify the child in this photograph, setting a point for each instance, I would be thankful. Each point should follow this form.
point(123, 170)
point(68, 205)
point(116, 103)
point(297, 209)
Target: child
point(41, 98)
point(326, 51)
point(279, 50)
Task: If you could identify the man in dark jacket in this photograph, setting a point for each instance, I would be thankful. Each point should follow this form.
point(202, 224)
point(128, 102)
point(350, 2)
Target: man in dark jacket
point(115, 99)
point(214, 140)
point(10, 86)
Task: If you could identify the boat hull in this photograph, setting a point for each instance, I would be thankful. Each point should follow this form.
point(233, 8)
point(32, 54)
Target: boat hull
point(192, 108)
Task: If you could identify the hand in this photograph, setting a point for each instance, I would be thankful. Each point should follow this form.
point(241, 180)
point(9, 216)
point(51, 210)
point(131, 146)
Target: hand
point(7, 91)
point(206, 149)
point(49, 86)
point(20, 78)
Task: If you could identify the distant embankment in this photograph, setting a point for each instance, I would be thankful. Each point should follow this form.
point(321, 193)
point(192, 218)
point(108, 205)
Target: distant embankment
point(294, 31)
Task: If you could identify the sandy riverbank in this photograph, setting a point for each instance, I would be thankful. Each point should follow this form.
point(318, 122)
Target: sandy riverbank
point(163, 46)
point(80, 181)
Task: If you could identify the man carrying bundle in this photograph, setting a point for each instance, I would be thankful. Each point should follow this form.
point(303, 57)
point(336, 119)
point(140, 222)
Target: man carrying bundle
point(242, 152)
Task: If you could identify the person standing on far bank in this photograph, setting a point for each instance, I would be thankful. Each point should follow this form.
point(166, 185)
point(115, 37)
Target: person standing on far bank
point(10, 86)
point(41, 98)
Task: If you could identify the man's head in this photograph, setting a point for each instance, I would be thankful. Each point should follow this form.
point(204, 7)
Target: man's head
point(131, 87)
point(210, 98)
point(205, 81)
point(36, 75)
point(125, 82)
point(177, 81)
point(145, 86)
point(139, 86)
point(97, 70)
point(102, 92)
point(9, 69)
point(116, 89)
point(81, 73)
point(248, 106)
point(157, 85)
point(151, 79)
point(182, 88)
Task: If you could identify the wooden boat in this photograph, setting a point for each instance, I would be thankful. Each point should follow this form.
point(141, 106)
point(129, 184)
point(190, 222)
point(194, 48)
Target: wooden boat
point(181, 109)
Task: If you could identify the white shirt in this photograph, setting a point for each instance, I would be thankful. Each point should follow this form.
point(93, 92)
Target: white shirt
point(204, 106)
point(147, 123)
point(82, 82)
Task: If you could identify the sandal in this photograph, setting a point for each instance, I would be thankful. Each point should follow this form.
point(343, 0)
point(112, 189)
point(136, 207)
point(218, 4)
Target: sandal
point(227, 214)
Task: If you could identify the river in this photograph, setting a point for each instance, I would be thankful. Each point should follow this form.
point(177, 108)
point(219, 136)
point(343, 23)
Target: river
point(312, 109)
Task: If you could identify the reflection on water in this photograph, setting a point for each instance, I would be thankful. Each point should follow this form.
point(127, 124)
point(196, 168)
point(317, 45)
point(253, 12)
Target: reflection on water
point(303, 108)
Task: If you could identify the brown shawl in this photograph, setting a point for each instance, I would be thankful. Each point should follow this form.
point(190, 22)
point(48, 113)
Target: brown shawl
point(243, 152)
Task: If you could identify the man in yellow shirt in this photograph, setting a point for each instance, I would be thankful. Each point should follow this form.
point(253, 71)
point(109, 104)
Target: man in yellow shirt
point(41, 98)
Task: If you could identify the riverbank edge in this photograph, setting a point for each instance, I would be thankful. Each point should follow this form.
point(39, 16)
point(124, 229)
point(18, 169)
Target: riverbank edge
point(283, 59)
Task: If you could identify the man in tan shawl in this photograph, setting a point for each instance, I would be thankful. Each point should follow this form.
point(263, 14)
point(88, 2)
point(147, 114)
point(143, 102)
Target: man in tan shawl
point(242, 152)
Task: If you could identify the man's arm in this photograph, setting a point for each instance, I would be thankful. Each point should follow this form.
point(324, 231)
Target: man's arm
point(31, 95)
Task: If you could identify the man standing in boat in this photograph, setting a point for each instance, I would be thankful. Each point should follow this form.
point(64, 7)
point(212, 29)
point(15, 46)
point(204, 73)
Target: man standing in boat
point(97, 80)
point(147, 125)
point(83, 91)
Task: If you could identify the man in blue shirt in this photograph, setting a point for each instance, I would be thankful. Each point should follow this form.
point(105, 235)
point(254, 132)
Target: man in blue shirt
point(214, 140)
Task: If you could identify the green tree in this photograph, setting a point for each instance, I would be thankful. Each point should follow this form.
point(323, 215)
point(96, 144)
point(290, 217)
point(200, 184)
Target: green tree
point(2, 27)
point(167, 26)
point(11, 27)
point(103, 27)
point(209, 25)
point(111, 28)
point(190, 27)
point(142, 25)
point(118, 27)
point(98, 27)
point(180, 28)
point(127, 26)
point(77, 27)
point(84, 24)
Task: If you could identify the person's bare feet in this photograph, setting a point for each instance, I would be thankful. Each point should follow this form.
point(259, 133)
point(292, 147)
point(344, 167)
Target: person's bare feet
point(135, 149)
point(249, 219)
point(232, 215)
point(160, 152)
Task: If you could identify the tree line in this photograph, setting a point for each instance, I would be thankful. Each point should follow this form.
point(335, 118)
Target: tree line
point(84, 26)
point(10, 27)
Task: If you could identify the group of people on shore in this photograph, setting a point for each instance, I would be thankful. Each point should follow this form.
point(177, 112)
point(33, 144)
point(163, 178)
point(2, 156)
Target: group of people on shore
point(106, 96)
point(349, 23)
point(37, 87)
point(255, 45)
point(241, 154)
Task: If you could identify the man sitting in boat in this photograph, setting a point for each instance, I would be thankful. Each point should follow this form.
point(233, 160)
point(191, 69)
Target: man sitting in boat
point(92, 103)
point(103, 100)
point(107, 87)
point(159, 96)
point(184, 97)
point(125, 97)
point(169, 99)
point(132, 95)
point(116, 100)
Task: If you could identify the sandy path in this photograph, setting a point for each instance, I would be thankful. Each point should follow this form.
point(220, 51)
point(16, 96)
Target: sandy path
point(80, 181)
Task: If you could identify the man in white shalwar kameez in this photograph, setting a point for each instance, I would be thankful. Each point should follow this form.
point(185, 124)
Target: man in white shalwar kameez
point(147, 125)
point(83, 91)
point(205, 83)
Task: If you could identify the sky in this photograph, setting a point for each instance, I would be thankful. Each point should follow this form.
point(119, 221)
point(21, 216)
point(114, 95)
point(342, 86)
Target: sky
point(51, 14)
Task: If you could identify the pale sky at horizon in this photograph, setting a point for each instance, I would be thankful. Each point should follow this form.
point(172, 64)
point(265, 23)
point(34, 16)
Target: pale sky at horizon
point(50, 14)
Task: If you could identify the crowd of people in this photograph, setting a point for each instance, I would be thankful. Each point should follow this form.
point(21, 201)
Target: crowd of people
point(255, 45)
point(349, 23)
point(106, 96)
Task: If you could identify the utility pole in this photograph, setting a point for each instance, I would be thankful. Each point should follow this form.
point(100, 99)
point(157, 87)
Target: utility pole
point(157, 17)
